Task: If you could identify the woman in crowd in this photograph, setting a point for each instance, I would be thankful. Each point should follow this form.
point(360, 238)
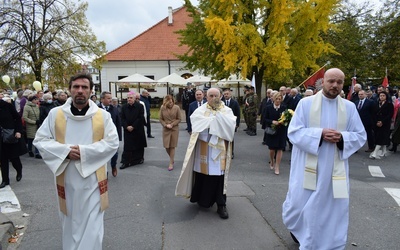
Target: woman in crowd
point(383, 120)
point(10, 119)
point(45, 106)
point(170, 117)
point(31, 116)
point(276, 142)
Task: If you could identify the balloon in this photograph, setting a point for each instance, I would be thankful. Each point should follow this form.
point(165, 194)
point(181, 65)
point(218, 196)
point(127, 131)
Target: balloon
point(37, 85)
point(6, 79)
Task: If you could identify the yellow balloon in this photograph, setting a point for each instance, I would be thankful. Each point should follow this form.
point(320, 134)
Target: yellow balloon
point(37, 85)
point(6, 79)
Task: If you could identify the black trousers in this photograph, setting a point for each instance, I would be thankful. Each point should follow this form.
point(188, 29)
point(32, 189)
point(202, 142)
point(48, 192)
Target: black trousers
point(148, 125)
point(208, 189)
point(5, 167)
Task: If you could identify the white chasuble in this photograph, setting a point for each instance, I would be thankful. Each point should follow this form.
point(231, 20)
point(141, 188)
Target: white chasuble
point(315, 217)
point(82, 225)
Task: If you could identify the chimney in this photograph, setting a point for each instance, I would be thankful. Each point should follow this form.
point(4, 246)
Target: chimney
point(170, 18)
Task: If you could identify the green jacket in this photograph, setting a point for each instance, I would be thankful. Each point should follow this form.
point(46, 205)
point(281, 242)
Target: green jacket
point(31, 115)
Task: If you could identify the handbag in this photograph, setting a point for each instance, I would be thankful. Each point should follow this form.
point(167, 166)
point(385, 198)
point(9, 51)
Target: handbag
point(269, 131)
point(7, 135)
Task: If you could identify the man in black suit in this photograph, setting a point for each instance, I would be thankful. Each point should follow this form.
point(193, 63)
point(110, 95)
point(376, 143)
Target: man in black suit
point(188, 96)
point(264, 103)
point(199, 95)
point(105, 103)
point(285, 97)
point(366, 110)
point(295, 98)
point(234, 105)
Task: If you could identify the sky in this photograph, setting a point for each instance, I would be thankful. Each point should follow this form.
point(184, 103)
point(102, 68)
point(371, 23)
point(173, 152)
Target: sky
point(117, 21)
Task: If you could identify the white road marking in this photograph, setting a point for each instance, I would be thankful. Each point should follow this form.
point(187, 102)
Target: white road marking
point(376, 171)
point(395, 193)
point(8, 201)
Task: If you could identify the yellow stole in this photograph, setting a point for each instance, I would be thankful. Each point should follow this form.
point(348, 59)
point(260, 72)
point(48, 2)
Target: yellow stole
point(98, 132)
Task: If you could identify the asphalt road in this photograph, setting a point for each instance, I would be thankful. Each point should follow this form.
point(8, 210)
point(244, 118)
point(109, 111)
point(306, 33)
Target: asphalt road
point(145, 214)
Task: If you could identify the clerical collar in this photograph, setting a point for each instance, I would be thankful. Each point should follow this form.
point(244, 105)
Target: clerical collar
point(78, 112)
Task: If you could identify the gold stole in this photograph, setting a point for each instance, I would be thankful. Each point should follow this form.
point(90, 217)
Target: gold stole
point(98, 132)
point(204, 156)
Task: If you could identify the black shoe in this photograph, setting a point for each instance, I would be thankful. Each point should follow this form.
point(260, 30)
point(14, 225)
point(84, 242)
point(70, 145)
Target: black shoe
point(294, 238)
point(19, 177)
point(124, 165)
point(246, 129)
point(150, 136)
point(3, 184)
point(264, 143)
point(31, 154)
point(38, 157)
point(233, 155)
point(223, 213)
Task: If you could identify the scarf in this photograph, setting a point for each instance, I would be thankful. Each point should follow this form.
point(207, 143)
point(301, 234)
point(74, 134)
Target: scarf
point(98, 132)
point(339, 182)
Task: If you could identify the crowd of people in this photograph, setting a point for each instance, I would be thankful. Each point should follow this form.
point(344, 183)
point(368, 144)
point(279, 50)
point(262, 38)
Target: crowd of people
point(23, 115)
point(46, 125)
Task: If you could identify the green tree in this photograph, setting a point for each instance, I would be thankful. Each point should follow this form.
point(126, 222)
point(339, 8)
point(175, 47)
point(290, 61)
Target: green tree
point(274, 39)
point(385, 45)
point(46, 34)
point(350, 36)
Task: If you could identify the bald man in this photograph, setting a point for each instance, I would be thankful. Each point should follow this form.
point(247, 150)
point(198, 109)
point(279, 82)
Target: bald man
point(325, 132)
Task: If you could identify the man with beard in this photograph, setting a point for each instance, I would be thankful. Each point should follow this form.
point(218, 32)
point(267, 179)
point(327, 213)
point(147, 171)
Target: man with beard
point(133, 121)
point(325, 131)
point(209, 153)
point(76, 141)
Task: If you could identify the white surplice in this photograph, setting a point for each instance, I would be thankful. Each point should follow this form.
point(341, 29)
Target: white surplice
point(316, 218)
point(83, 225)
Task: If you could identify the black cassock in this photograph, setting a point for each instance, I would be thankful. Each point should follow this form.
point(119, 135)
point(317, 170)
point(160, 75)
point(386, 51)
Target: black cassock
point(135, 141)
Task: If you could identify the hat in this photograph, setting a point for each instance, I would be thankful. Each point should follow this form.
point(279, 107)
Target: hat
point(33, 97)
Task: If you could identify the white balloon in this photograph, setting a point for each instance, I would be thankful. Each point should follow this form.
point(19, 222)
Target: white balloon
point(37, 85)
point(6, 79)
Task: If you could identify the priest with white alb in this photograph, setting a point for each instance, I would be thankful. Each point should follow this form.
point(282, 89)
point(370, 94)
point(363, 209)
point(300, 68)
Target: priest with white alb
point(325, 131)
point(76, 141)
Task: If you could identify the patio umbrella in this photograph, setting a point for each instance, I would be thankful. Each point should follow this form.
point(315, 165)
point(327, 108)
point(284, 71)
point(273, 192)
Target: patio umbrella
point(173, 80)
point(234, 81)
point(199, 79)
point(137, 78)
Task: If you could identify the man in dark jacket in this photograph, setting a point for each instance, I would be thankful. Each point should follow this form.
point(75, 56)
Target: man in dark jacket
point(234, 105)
point(105, 103)
point(132, 119)
point(146, 99)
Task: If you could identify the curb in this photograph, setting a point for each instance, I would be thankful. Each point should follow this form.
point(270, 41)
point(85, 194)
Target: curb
point(6, 227)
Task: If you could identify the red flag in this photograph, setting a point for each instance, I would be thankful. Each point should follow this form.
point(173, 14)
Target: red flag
point(385, 82)
point(315, 79)
point(353, 82)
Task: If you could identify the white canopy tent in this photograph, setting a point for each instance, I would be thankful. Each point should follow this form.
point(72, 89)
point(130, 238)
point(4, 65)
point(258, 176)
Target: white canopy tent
point(172, 80)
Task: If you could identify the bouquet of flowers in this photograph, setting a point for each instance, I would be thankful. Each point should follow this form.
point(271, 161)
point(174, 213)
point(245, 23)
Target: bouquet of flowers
point(285, 118)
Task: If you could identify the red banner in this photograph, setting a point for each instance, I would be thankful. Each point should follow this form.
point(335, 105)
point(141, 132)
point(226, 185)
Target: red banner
point(385, 82)
point(353, 82)
point(315, 80)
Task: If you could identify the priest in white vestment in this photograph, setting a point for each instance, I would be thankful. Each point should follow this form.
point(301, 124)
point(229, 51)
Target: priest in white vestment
point(209, 154)
point(325, 131)
point(76, 141)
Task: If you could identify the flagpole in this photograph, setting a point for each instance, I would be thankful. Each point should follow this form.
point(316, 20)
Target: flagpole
point(326, 64)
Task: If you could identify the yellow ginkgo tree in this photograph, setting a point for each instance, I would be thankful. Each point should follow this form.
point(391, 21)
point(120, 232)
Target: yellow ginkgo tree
point(274, 39)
